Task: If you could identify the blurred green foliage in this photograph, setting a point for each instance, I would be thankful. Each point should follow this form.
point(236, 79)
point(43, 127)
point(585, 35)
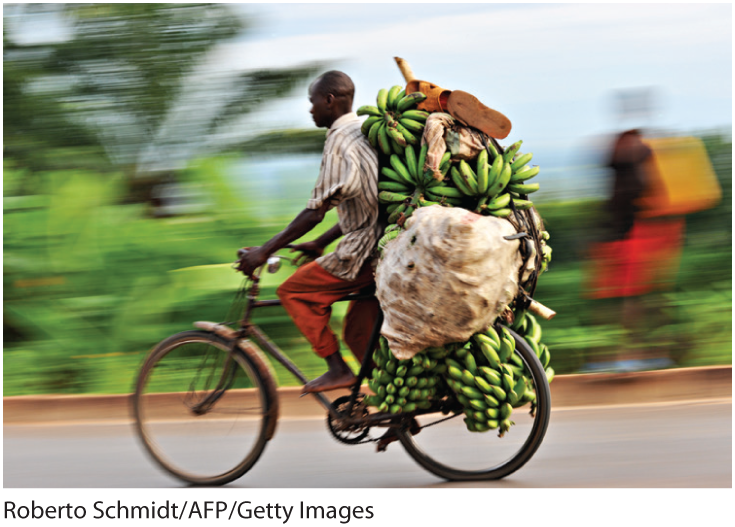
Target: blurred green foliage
point(129, 90)
point(90, 285)
point(93, 279)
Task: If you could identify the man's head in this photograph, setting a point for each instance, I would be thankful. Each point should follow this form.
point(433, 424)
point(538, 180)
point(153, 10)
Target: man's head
point(331, 97)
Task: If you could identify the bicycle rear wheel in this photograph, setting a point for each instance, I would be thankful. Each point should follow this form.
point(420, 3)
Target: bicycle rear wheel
point(203, 411)
point(447, 449)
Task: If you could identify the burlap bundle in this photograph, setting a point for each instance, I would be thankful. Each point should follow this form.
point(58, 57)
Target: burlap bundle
point(447, 276)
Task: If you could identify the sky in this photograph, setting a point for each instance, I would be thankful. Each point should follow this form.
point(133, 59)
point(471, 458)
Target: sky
point(553, 69)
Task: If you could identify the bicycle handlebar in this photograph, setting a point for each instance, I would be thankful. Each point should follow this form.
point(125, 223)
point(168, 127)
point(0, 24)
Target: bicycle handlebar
point(273, 264)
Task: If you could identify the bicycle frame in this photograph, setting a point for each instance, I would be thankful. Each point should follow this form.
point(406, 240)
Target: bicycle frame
point(250, 330)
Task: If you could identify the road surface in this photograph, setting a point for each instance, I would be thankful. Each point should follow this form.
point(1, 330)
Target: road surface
point(683, 444)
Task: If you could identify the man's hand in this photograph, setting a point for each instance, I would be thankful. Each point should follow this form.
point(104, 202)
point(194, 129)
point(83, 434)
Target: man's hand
point(249, 259)
point(310, 251)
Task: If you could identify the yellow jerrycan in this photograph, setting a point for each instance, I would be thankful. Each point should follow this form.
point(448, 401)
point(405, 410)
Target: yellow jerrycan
point(681, 178)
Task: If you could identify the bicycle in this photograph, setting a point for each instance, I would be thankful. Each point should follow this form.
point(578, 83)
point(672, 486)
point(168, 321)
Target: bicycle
point(219, 379)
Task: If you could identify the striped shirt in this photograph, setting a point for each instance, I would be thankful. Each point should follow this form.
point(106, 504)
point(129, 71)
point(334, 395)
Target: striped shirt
point(348, 180)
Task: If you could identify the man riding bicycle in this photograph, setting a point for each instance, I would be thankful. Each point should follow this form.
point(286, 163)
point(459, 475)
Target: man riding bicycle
point(348, 180)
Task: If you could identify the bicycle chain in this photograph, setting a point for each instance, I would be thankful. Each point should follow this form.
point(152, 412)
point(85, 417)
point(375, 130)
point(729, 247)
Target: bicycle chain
point(373, 440)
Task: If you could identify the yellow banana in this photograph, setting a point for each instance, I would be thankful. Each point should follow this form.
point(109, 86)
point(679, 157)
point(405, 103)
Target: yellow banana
point(369, 110)
point(460, 182)
point(393, 186)
point(494, 174)
point(368, 124)
point(448, 192)
point(401, 169)
point(469, 176)
point(490, 354)
point(408, 136)
point(396, 214)
point(392, 98)
point(373, 133)
point(499, 202)
point(395, 176)
point(521, 188)
point(411, 163)
point(413, 126)
point(382, 99)
point(482, 384)
point(492, 376)
point(500, 213)
point(493, 151)
point(383, 140)
point(467, 378)
point(524, 174)
point(545, 355)
point(394, 134)
point(385, 196)
point(421, 160)
point(533, 331)
point(409, 101)
point(521, 204)
point(483, 172)
point(415, 115)
point(521, 161)
point(471, 364)
point(498, 393)
point(492, 334)
point(491, 400)
point(508, 155)
point(397, 149)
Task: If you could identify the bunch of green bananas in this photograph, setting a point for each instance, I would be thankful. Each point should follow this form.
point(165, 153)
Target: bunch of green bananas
point(394, 123)
point(404, 186)
point(497, 180)
point(482, 377)
point(489, 380)
point(528, 327)
point(404, 385)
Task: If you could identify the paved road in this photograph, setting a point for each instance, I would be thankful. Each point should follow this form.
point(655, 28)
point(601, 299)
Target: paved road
point(687, 444)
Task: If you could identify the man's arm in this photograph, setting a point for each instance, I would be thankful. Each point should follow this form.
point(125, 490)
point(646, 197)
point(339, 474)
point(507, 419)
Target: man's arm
point(315, 248)
point(302, 224)
point(329, 236)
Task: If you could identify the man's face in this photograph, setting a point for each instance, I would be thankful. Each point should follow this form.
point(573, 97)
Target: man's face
point(321, 110)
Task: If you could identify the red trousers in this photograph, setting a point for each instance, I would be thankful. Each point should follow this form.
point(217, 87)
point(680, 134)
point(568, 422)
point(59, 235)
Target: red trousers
point(308, 296)
point(644, 261)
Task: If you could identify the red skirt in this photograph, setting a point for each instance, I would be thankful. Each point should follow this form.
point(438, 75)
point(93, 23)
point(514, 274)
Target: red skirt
point(644, 261)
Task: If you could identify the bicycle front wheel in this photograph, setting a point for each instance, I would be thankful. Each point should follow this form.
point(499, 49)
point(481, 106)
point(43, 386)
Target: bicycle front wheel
point(445, 447)
point(203, 410)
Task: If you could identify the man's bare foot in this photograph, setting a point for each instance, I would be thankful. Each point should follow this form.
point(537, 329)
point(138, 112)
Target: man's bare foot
point(339, 376)
point(330, 381)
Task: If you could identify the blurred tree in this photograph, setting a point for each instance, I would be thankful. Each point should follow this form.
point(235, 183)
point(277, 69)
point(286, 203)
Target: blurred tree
point(115, 87)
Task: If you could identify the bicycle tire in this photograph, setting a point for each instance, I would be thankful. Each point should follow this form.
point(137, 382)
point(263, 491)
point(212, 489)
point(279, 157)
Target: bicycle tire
point(465, 450)
point(178, 374)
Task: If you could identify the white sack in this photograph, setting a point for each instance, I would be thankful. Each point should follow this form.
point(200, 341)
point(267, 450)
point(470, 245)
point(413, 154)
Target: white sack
point(447, 276)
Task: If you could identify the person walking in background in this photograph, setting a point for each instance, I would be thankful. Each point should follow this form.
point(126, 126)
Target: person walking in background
point(637, 254)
